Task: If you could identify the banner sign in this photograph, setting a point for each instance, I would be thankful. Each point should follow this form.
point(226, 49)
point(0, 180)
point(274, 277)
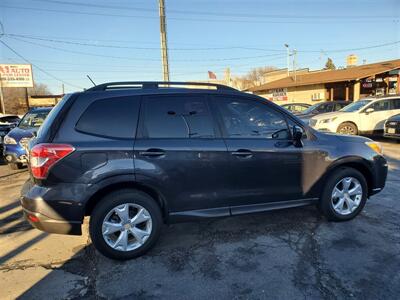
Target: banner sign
point(16, 75)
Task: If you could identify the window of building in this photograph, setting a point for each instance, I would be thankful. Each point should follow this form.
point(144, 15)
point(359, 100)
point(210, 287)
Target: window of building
point(177, 117)
point(250, 119)
point(112, 117)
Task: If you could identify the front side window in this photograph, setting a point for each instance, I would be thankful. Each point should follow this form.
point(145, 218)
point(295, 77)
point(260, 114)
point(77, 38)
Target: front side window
point(251, 119)
point(177, 117)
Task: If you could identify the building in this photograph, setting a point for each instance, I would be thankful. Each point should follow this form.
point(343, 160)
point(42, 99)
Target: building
point(351, 84)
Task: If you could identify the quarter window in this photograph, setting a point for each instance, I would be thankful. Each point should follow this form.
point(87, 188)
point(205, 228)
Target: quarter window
point(177, 117)
point(112, 117)
point(251, 119)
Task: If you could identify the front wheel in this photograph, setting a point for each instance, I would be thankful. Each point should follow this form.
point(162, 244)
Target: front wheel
point(344, 195)
point(125, 224)
point(347, 128)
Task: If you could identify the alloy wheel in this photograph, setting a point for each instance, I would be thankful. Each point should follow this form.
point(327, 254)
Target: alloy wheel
point(347, 130)
point(347, 195)
point(127, 227)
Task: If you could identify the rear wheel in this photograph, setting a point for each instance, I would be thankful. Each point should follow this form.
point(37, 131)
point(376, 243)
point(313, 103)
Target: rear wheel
point(344, 195)
point(125, 224)
point(347, 128)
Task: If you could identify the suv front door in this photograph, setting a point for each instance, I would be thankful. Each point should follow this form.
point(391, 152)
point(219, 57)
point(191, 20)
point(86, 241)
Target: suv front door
point(265, 165)
point(375, 120)
point(180, 151)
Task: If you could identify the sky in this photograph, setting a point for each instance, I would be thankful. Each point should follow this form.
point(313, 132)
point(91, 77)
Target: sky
point(119, 40)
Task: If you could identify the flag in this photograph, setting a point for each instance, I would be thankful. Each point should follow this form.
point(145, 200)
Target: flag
point(211, 75)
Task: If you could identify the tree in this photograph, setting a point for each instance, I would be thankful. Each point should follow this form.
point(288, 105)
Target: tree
point(329, 65)
point(255, 76)
point(14, 98)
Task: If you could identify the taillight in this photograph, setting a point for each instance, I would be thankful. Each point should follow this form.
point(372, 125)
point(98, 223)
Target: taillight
point(44, 156)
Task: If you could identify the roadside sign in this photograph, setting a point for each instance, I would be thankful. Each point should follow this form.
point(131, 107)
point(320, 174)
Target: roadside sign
point(16, 75)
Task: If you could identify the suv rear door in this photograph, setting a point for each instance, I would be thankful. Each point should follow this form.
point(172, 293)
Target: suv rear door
point(179, 151)
point(265, 166)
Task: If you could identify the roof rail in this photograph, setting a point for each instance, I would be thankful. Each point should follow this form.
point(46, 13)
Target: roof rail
point(153, 85)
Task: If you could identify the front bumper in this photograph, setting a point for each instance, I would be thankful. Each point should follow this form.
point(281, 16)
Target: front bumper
point(15, 154)
point(50, 208)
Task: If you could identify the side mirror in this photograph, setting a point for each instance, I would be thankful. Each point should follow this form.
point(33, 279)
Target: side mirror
point(297, 135)
point(369, 110)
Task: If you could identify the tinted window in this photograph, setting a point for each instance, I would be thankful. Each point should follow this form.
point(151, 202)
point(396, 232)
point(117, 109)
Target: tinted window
point(381, 105)
point(113, 117)
point(33, 119)
point(339, 106)
point(177, 117)
point(251, 119)
point(395, 103)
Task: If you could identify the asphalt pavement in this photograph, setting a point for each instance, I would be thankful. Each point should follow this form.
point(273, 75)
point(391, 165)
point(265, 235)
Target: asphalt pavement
point(287, 254)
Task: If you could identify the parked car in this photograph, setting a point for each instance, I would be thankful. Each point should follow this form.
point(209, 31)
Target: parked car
point(392, 127)
point(15, 142)
point(7, 122)
point(366, 116)
point(179, 154)
point(296, 108)
point(320, 108)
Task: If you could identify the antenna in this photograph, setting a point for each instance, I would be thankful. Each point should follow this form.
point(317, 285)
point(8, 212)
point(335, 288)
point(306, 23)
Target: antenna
point(91, 80)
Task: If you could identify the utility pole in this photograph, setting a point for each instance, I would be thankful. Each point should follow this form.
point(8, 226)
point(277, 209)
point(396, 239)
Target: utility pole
point(294, 63)
point(163, 35)
point(287, 59)
point(3, 108)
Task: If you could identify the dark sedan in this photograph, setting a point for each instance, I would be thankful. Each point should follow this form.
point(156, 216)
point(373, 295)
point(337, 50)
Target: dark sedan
point(321, 108)
point(7, 122)
point(392, 127)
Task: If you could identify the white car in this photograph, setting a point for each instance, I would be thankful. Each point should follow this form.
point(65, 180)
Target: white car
point(365, 116)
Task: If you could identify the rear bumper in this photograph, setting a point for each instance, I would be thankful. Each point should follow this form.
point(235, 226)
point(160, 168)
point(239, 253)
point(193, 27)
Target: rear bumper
point(53, 209)
point(44, 223)
point(392, 136)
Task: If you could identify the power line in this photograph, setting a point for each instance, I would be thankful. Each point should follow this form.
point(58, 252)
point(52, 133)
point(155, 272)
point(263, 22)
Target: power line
point(64, 41)
point(140, 59)
point(37, 67)
point(219, 20)
point(218, 14)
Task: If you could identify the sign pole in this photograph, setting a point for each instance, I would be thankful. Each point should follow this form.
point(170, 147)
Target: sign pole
point(3, 108)
point(26, 98)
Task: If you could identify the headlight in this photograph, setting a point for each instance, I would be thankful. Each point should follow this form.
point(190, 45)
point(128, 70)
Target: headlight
point(9, 140)
point(328, 120)
point(375, 146)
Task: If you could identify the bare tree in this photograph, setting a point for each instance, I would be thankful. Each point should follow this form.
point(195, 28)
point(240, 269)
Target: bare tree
point(255, 76)
point(14, 98)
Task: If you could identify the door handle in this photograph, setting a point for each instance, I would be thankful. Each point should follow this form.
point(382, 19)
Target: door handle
point(152, 152)
point(242, 153)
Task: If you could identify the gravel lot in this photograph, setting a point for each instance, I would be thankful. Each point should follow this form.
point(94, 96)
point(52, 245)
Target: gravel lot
point(288, 254)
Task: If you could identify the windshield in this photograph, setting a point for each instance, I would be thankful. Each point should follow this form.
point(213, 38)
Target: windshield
point(33, 120)
point(355, 105)
point(311, 108)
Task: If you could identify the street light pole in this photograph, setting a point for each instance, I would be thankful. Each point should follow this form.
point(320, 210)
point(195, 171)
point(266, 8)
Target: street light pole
point(287, 59)
point(163, 36)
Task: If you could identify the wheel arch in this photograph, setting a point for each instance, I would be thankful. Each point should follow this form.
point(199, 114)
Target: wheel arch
point(356, 163)
point(107, 189)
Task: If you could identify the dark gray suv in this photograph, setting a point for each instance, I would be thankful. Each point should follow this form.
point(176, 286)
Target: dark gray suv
point(135, 155)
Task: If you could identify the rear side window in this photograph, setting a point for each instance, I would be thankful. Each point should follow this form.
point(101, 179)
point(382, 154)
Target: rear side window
point(177, 117)
point(396, 103)
point(112, 117)
point(381, 105)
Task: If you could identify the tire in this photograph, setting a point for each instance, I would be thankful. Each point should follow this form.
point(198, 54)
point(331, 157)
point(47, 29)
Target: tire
point(15, 166)
point(106, 210)
point(329, 200)
point(347, 128)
